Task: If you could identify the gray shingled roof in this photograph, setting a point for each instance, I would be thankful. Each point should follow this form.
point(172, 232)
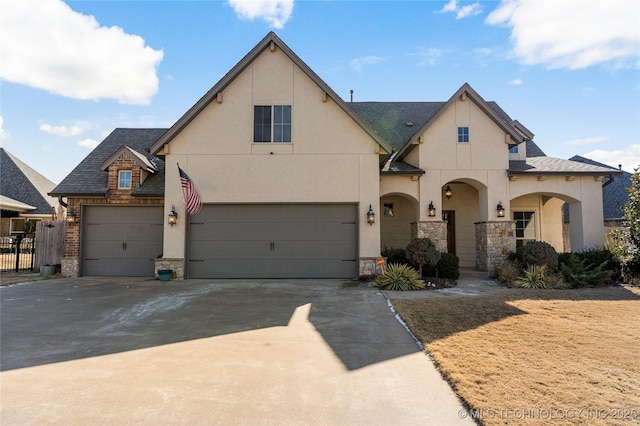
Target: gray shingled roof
point(550, 165)
point(397, 122)
point(20, 182)
point(88, 179)
point(614, 195)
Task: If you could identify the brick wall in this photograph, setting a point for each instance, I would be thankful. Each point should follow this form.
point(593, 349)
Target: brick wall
point(114, 196)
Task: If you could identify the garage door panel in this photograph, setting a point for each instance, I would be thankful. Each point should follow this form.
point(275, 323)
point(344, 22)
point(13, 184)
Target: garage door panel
point(273, 241)
point(121, 240)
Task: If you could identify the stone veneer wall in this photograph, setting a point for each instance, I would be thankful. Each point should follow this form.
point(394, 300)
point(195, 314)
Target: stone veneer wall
point(494, 241)
point(436, 231)
point(368, 266)
point(70, 266)
point(177, 265)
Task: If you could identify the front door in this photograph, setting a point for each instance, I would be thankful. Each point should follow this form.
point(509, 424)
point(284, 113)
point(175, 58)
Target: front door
point(449, 216)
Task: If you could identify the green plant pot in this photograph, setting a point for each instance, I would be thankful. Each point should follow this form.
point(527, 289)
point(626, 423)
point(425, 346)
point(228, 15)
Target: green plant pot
point(47, 270)
point(165, 274)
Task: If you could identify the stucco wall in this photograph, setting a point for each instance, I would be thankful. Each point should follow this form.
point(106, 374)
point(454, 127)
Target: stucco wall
point(330, 159)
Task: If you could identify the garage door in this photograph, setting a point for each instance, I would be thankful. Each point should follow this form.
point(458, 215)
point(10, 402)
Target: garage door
point(274, 241)
point(121, 241)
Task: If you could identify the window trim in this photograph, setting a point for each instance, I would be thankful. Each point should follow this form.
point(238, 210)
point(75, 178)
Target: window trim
point(121, 180)
point(280, 131)
point(463, 134)
point(521, 241)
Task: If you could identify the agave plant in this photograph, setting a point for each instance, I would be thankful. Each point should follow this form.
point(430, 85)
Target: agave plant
point(399, 277)
point(533, 277)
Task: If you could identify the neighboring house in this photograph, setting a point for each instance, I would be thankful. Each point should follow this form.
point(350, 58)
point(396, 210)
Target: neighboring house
point(23, 196)
point(290, 173)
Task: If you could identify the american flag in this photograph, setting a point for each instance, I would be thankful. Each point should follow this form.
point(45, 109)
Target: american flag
point(191, 195)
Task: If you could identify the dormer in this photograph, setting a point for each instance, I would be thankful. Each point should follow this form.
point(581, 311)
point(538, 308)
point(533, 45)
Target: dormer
point(127, 169)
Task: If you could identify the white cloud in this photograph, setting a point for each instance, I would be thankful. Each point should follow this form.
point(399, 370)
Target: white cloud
point(359, 63)
point(63, 130)
point(588, 141)
point(47, 45)
point(88, 143)
point(461, 11)
point(3, 134)
point(629, 157)
point(572, 34)
point(515, 82)
point(427, 56)
point(275, 12)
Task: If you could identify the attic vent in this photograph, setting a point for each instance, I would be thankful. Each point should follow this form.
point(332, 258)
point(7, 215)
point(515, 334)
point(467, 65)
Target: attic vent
point(409, 123)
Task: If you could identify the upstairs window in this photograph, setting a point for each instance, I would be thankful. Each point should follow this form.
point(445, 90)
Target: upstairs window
point(463, 134)
point(272, 123)
point(124, 179)
point(513, 150)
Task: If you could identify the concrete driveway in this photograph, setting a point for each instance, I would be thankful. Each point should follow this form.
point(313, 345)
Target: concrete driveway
point(134, 351)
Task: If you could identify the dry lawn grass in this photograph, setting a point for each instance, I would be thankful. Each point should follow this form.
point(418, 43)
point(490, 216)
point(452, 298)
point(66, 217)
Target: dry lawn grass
point(537, 357)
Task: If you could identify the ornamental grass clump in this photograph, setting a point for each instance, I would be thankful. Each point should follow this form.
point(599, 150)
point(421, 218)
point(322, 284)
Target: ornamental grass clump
point(399, 277)
point(533, 277)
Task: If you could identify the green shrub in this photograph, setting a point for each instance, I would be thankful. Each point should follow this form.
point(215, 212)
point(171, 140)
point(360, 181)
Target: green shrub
point(533, 277)
point(540, 253)
point(600, 256)
point(448, 266)
point(399, 277)
point(578, 273)
point(395, 255)
point(631, 269)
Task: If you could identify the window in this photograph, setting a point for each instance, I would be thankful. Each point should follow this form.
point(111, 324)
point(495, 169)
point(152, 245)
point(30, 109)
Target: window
point(388, 209)
point(525, 227)
point(513, 150)
point(266, 118)
point(17, 225)
point(124, 179)
point(463, 134)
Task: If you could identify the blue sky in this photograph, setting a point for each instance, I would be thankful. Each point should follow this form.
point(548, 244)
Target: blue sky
point(73, 71)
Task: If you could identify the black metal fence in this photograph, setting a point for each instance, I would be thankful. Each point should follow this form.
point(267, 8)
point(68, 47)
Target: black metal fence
point(17, 253)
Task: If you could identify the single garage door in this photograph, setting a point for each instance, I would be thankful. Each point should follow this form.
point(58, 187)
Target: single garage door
point(121, 240)
point(274, 241)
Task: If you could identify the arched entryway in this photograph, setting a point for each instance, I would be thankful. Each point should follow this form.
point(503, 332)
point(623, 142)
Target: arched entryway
point(398, 212)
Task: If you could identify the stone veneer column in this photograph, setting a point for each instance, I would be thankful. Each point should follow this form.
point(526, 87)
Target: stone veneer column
point(177, 265)
point(436, 231)
point(70, 267)
point(494, 241)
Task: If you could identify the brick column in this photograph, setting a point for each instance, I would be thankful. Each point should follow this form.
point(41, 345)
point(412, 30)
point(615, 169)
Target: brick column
point(494, 241)
point(436, 231)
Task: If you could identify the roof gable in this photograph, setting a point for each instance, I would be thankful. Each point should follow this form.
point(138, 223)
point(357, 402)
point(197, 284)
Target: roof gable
point(89, 178)
point(21, 183)
point(491, 109)
point(270, 41)
point(142, 161)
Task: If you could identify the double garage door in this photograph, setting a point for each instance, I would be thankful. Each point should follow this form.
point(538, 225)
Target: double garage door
point(273, 241)
point(121, 240)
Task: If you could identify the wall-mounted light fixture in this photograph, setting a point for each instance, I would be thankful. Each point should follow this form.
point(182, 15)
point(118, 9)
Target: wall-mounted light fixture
point(71, 216)
point(447, 192)
point(432, 210)
point(173, 216)
point(500, 209)
point(371, 216)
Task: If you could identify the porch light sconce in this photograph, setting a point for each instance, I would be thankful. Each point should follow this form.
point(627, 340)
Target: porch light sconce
point(173, 216)
point(71, 216)
point(432, 210)
point(500, 209)
point(447, 192)
point(371, 216)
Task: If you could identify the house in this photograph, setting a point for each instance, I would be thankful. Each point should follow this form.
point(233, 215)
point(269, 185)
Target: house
point(23, 196)
point(614, 196)
point(297, 183)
